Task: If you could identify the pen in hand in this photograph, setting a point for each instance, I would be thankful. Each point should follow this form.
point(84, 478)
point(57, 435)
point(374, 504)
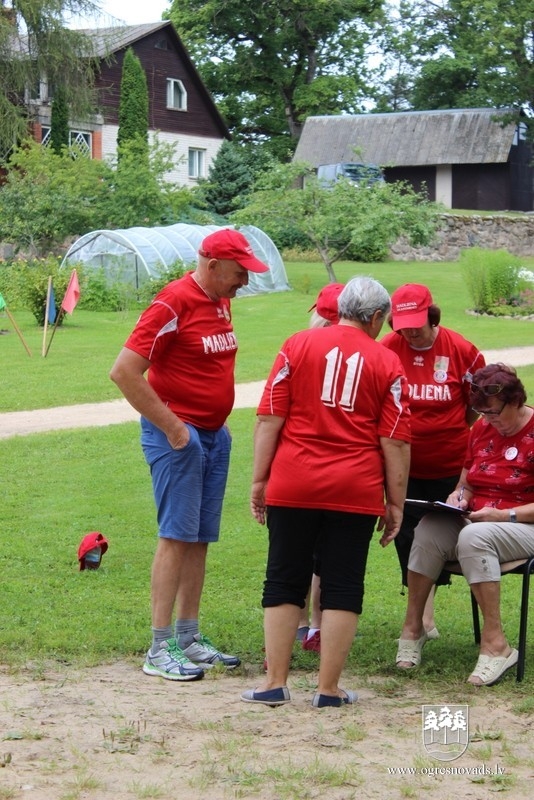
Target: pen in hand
point(460, 495)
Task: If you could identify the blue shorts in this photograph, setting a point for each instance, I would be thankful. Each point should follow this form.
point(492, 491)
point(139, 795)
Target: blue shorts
point(188, 484)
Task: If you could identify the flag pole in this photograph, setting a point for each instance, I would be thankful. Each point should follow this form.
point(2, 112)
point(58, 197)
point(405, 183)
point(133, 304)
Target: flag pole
point(47, 307)
point(17, 329)
point(56, 323)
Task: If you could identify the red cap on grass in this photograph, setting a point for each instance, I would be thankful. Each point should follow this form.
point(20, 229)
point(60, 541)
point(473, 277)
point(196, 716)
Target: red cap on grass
point(231, 244)
point(409, 306)
point(91, 541)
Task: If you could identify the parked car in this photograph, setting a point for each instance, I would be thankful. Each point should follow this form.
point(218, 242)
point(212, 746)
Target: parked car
point(355, 171)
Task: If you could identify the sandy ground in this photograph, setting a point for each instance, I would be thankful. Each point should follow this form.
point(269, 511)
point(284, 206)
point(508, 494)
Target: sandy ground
point(113, 733)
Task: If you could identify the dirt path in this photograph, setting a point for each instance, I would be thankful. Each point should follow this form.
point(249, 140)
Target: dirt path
point(90, 415)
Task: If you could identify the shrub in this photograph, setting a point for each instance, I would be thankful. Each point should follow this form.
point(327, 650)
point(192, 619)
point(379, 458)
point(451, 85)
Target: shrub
point(25, 283)
point(491, 277)
point(150, 288)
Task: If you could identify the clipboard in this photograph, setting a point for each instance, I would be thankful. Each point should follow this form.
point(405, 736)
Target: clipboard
point(435, 505)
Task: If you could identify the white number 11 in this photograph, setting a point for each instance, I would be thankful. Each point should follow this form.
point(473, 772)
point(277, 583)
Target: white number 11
point(334, 360)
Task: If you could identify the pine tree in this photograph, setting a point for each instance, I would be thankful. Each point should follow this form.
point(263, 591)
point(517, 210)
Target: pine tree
point(59, 128)
point(229, 180)
point(133, 107)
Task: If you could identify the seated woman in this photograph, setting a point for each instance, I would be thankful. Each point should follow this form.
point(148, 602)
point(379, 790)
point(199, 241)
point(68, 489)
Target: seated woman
point(497, 488)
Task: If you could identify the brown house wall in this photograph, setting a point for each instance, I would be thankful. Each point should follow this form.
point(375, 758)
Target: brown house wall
point(480, 187)
point(159, 64)
point(418, 177)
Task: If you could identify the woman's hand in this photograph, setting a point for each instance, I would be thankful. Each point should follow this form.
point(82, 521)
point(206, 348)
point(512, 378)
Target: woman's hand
point(257, 501)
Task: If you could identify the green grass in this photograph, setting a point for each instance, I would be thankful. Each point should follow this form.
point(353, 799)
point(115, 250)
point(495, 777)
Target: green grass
point(58, 486)
point(84, 348)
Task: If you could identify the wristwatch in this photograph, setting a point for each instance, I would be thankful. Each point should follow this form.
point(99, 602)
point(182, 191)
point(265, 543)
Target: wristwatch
point(513, 516)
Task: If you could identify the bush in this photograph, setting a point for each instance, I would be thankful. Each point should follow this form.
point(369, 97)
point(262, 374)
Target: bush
point(491, 277)
point(24, 283)
point(150, 288)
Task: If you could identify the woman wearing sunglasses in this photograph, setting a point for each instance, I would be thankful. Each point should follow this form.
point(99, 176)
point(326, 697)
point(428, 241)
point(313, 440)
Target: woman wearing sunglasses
point(439, 364)
point(496, 488)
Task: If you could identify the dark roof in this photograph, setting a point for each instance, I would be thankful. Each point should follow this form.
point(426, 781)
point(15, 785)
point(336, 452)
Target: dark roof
point(118, 37)
point(411, 138)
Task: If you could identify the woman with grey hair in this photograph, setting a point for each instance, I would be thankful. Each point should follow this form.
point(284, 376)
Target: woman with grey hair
point(331, 440)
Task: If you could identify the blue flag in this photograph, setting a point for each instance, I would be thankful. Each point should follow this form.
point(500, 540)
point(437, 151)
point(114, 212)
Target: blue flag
point(51, 310)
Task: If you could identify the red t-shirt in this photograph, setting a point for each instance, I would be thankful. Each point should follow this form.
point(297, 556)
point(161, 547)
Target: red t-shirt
point(500, 468)
point(339, 391)
point(189, 340)
point(439, 380)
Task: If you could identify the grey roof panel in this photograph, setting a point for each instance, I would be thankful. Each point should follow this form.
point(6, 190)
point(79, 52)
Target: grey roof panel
point(414, 138)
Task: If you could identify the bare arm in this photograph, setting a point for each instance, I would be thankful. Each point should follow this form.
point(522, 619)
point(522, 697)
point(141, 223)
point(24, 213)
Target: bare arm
point(397, 466)
point(266, 436)
point(128, 372)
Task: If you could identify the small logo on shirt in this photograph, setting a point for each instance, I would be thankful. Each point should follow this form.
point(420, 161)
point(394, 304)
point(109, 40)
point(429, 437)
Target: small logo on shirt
point(419, 361)
point(440, 376)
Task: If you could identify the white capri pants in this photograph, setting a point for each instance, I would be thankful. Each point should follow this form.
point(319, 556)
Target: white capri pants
point(480, 547)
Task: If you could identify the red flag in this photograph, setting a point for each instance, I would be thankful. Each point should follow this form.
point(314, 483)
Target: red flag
point(72, 295)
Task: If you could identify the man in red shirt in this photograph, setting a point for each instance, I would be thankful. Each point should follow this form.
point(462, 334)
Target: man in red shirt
point(185, 341)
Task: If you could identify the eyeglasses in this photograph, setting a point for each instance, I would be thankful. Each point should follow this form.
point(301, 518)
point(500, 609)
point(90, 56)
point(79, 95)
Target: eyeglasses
point(489, 412)
point(489, 391)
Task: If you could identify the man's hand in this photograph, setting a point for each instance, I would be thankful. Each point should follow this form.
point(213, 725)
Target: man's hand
point(390, 523)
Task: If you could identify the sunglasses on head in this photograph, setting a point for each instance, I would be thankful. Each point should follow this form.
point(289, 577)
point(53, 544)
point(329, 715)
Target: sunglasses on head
point(489, 391)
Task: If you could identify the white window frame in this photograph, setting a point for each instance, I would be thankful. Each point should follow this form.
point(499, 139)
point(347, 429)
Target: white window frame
point(196, 163)
point(82, 138)
point(176, 95)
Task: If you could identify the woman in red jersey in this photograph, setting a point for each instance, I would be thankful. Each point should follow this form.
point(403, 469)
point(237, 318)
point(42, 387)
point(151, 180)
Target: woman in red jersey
point(331, 441)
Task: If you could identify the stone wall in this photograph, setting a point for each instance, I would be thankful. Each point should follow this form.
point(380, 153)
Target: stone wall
point(515, 234)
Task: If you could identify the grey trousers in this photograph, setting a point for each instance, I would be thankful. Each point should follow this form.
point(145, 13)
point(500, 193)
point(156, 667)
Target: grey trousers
point(480, 547)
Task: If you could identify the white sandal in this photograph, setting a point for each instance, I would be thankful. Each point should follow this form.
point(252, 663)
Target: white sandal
point(491, 668)
point(410, 650)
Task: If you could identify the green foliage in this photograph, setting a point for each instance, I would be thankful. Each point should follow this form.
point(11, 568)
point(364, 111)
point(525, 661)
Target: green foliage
point(150, 288)
point(133, 106)
point(491, 276)
point(342, 221)
point(26, 284)
point(64, 56)
point(100, 294)
point(229, 180)
point(277, 61)
point(59, 125)
point(47, 197)
point(139, 193)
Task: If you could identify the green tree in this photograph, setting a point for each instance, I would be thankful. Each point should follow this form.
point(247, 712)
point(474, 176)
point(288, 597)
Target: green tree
point(139, 193)
point(133, 106)
point(271, 64)
point(229, 180)
point(59, 121)
point(342, 221)
point(456, 54)
point(35, 47)
point(48, 196)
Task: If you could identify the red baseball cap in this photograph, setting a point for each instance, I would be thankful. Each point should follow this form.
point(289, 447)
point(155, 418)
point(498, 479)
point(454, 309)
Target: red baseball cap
point(90, 542)
point(231, 244)
point(326, 303)
point(409, 306)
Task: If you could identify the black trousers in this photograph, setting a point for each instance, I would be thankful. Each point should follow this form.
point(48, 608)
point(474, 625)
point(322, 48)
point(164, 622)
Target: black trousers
point(338, 541)
point(420, 489)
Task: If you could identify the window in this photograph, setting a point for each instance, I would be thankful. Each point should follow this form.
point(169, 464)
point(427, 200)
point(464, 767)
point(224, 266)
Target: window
point(197, 161)
point(80, 139)
point(176, 94)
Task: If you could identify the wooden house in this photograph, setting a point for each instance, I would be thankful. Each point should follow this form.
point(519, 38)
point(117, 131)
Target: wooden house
point(466, 158)
point(181, 109)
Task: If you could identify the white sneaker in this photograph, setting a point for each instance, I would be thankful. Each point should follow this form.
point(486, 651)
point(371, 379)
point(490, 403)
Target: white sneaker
point(170, 662)
point(202, 651)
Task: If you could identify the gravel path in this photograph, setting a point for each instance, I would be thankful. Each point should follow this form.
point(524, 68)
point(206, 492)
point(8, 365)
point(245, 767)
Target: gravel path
point(90, 415)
